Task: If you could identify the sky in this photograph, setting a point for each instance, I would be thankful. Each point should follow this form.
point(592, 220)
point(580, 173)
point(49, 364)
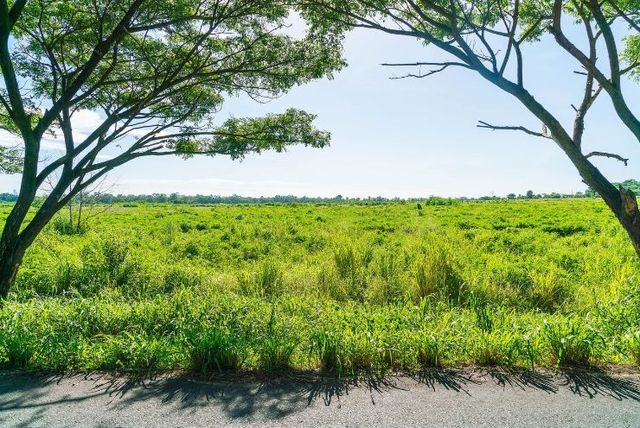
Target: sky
point(400, 138)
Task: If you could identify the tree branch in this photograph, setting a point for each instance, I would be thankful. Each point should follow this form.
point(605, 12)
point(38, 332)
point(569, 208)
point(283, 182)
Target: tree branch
point(625, 161)
point(442, 66)
point(482, 124)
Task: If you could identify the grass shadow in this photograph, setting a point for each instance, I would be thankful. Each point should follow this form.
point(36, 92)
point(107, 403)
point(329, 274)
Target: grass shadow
point(450, 379)
point(591, 382)
point(524, 379)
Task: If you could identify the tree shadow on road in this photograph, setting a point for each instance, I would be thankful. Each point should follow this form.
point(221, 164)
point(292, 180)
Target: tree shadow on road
point(245, 397)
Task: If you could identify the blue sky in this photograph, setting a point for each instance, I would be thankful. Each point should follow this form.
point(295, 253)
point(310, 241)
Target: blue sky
point(404, 138)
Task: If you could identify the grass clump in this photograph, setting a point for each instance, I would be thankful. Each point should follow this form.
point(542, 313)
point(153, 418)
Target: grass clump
point(18, 347)
point(633, 343)
point(431, 353)
point(137, 354)
point(435, 275)
point(328, 348)
point(275, 347)
point(212, 349)
point(266, 282)
point(571, 343)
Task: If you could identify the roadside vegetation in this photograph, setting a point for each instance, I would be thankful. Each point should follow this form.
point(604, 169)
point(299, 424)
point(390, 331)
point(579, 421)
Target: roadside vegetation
point(343, 288)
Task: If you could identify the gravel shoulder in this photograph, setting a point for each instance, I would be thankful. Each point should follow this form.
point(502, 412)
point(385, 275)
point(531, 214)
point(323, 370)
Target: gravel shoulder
point(453, 398)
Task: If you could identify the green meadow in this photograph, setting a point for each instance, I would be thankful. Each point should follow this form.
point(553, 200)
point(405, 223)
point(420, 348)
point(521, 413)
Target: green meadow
point(345, 288)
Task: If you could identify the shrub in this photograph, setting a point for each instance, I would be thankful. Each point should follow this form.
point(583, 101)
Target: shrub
point(64, 226)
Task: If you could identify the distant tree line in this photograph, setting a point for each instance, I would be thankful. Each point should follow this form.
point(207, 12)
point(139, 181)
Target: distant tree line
point(176, 198)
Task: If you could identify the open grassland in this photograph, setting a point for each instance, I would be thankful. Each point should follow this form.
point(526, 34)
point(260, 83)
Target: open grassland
point(346, 288)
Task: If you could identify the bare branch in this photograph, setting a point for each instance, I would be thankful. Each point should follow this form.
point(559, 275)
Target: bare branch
point(625, 161)
point(442, 66)
point(486, 125)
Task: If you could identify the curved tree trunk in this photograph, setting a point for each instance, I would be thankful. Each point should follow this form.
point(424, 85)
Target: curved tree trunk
point(10, 261)
point(622, 202)
point(13, 245)
point(630, 217)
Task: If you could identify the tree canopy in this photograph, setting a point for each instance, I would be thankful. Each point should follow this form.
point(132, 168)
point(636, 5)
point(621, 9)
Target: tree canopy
point(157, 73)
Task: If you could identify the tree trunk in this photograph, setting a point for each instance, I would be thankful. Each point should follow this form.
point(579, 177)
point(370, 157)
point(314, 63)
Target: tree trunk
point(10, 260)
point(622, 202)
point(13, 246)
point(629, 216)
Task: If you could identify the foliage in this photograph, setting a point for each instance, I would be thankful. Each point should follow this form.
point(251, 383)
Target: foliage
point(153, 75)
point(10, 160)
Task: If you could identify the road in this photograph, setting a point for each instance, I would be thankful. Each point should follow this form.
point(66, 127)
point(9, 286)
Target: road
point(439, 399)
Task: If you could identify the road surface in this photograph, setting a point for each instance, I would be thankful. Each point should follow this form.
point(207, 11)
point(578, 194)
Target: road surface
point(438, 399)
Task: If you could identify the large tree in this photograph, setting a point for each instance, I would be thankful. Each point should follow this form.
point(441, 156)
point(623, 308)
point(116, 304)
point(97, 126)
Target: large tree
point(156, 72)
point(488, 37)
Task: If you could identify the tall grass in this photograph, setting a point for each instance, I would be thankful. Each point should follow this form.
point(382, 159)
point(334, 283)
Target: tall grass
point(346, 288)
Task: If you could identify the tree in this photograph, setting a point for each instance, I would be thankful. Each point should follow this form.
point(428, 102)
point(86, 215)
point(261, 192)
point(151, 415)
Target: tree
point(530, 194)
point(487, 37)
point(156, 72)
point(631, 184)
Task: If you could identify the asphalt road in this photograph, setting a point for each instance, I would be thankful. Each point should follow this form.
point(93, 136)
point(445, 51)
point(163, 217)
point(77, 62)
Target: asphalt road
point(439, 399)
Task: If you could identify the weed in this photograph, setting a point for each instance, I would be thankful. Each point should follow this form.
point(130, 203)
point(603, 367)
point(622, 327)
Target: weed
point(430, 352)
point(571, 343)
point(328, 347)
point(212, 349)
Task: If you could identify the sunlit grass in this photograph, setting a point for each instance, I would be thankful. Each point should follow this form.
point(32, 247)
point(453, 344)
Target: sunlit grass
point(340, 288)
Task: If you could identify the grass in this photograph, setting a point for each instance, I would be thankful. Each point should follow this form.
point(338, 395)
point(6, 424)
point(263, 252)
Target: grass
point(345, 289)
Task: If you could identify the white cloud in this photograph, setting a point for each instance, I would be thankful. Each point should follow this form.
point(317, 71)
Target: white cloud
point(86, 120)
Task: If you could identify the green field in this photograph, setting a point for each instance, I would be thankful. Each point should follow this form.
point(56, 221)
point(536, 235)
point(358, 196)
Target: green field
point(346, 288)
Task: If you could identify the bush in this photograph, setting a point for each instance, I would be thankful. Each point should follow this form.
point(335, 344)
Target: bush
point(64, 226)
